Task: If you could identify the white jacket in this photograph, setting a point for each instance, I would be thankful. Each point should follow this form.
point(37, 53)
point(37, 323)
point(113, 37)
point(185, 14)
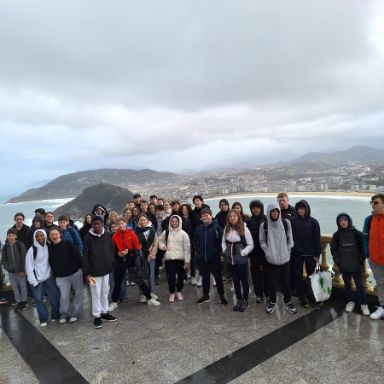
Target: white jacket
point(178, 246)
point(38, 269)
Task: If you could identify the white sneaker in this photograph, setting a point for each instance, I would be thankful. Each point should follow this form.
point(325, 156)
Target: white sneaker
point(350, 306)
point(153, 302)
point(142, 299)
point(365, 310)
point(378, 314)
point(73, 319)
point(199, 282)
point(44, 324)
point(62, 321)
point(213, 282)
point(193, 281)
point(154, 296)
point(112, 306)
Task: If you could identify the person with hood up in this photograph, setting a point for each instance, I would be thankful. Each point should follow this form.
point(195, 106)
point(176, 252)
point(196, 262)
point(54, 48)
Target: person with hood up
point(221, 216)
point(276, 241)
point(257, 257)
point(348, 254)
point(40, 276)
point(237, 243)
point(149, 243)
point(101, 211)
point(37, 222)
point(306, 251)
point(175, 242)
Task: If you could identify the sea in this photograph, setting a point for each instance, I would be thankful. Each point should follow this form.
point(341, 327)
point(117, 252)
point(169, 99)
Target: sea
point(324, 208)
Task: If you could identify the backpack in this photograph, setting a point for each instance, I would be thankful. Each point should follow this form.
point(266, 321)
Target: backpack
point(266, 228)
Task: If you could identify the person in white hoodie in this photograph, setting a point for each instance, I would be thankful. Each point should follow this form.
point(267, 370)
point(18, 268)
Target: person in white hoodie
point(175, 242)
point(40, 276)
point(276, 240)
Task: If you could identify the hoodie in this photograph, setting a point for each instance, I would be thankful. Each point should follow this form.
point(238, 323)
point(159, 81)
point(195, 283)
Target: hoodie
point(277, 243)
point(104, 215)
point(306, 233)
point(38, 268)
point(177, 246)
point(253, 224)
point(31, 231)
point(347, 247)
point(98, 253)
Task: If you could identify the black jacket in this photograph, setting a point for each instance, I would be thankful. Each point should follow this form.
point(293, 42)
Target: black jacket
point(306, 233)
point(289, 213)
point(253, 224)
point(98, 254)
point(207, 241)
point(196, 215)
point(22, 233)
point(13, 257)
point(64, 258)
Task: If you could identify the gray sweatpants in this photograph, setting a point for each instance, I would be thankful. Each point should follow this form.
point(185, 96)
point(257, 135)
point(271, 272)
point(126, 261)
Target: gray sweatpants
point(65, 284)
point(19, 287)
point(378, 274)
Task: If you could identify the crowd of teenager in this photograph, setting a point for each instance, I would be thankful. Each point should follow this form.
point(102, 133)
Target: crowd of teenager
point(49, 261)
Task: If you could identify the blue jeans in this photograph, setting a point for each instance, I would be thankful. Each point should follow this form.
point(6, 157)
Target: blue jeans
point(152, 265)
point(49, 288)
point(123, 289)
point(358, 279)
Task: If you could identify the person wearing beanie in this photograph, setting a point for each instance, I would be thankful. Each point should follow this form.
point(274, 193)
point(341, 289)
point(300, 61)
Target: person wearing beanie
point(348, 254)
point(256, 256)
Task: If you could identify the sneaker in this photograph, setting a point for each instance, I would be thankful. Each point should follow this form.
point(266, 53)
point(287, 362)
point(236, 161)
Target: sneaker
point(18, 306)
point(237, 306)
point(142, 299)
point(171, 298)
point(73, 319)
point(290, 308)
point(232, 288)
point(112, 306)
point(379, 313)
point(213, 282)
point(154, 296)
point(3, 301)
point(153, 301)
point(259, 299)
point(132, 283)
point(193, 280)
point(54, 320)
point(204, 299)
point(97, 322)
point(107, 317)
point(25, 304)
point(63, 320)
point(223, 300)
point(199, 282)
point(243, 306)
point(271, 307)
point(304, 303)
point(188, 275)
point(43, 324)
point(179, 296)
point(365, 310)
point(350, 306)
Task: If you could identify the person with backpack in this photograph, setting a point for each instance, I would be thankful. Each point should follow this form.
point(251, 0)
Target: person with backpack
point(65, 261)
point(70, 233)
point(237, 243)
point(127, 256)
point(306, 250)
point(348, 254)
point(40, 276)
point(13, 261)
point(374, 248)
point(175, 242)
point(276, 240)
point(207, 243)
point(257, 257)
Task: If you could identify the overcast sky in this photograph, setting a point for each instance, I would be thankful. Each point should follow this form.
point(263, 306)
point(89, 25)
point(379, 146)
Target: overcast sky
point(184, 85)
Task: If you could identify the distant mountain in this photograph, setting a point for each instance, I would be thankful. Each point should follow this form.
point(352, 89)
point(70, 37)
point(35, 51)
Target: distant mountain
point(111, 196)
point(358, 154)
point(72, 184)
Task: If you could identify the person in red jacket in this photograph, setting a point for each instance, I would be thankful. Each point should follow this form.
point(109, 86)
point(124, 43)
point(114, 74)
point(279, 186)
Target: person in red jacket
point(127, 256)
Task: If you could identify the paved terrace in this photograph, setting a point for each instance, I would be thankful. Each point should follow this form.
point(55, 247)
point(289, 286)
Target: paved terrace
point(189, 343)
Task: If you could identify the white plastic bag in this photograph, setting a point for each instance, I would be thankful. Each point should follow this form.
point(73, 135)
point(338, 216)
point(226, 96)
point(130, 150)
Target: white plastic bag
point(321, 283)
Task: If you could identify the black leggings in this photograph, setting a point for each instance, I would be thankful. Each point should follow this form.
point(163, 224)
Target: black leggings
point(175, 268)
point(121, 266)
point(239, 274)
point(278, 275)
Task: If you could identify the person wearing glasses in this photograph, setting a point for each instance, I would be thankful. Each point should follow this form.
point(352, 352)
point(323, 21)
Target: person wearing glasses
point(373, 241)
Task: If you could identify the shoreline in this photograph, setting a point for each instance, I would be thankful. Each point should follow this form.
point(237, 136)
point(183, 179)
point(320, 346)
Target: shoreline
point(273, 194)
